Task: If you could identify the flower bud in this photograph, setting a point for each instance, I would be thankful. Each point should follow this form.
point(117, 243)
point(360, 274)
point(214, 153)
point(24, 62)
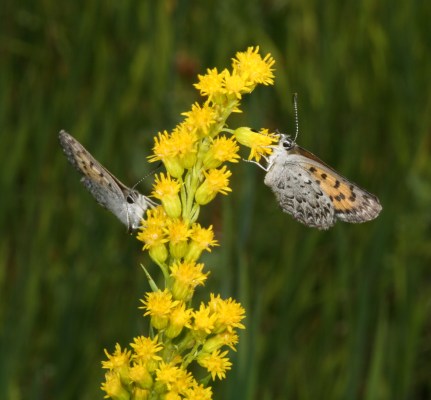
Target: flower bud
point(141, 394)
point(113, 387)
point(159, 253)
point(159, 321)
point(213, 344)
point(174, 167)
point(194, 251)
point(140, 375)
point(172, 205)
point(179, 249)
point(188, 160)
point(204, 194)
point(245, 136)
point(182, 291)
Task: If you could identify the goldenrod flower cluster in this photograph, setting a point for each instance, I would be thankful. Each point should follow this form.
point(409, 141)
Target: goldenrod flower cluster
point(194, 154)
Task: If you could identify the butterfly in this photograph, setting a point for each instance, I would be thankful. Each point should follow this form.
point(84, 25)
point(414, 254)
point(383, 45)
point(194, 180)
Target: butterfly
point(312, 192)
point(127, 204)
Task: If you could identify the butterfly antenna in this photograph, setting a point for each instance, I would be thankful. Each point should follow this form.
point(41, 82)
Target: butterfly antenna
point(152, 172)
point(295, 110)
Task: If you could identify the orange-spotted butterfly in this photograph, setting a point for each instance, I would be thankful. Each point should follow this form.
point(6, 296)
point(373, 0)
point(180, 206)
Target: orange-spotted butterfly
point(127, 204)
point(312, 192)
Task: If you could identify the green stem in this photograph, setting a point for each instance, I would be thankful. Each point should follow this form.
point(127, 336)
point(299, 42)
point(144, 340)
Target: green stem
point(191, 356)
point(164, 269)
point(191, 185)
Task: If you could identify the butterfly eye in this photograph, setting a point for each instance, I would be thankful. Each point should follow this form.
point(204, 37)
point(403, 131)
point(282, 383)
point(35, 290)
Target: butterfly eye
point(287, 144)
point(129, 199)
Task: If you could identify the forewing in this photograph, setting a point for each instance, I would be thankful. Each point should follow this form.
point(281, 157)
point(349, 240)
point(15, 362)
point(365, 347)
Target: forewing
point(126, 204)
point(350, 202)
point(298, 194)
point(96, 178)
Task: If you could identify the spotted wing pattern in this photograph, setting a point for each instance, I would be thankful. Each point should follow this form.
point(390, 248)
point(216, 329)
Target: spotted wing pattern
point(313, 193)
point(126, 204)
point(299, 196)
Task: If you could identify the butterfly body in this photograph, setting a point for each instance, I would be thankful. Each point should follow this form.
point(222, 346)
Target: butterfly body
point(312, 192)
point(127, 204)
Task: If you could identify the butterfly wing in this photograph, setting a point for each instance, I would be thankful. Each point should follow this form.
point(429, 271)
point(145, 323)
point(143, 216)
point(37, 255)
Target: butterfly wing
point(298, 194)
point(126, 204)
point(351, 203)
point(315, 194)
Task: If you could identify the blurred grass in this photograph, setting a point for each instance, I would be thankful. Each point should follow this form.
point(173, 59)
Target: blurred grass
point(338, 314)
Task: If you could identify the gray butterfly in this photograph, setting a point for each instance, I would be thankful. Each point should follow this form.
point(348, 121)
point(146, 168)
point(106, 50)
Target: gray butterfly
point(127, 204)
point(312, 192)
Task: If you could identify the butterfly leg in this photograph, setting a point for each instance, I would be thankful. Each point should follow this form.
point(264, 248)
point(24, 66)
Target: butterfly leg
point(259, 164)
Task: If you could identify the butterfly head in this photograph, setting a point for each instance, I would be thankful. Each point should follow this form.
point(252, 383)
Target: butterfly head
point(135, 207)
point(286, 142)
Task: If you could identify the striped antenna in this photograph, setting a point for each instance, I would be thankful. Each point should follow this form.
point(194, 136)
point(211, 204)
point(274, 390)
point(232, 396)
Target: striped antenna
point(295, 110)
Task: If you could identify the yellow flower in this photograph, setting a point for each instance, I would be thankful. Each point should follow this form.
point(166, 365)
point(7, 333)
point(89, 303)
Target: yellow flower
point(253, 68)
point(225, 338)
point(155, 216)
point(211, 84)
point(166, 189)
point(200, 118)
point(201, 239)
point(172, 395)
point(173, 378)
point(261, 143)
point(166, 374)
point(140, 375)
point(152, 235)
point(165, 186)
point(117, 360)
point(229, 339)
point(165, 150)
point(159, 305)
point(178, 232)
point(215, 363)
point(222, 149)
point(204, 321)
point(113, 387)
point(145, 351)
point(199, 392)
point(216, 181)
point(180, 317)
point(184, 139)
point(154, 238)
point(229, 313)
point(186, 275)
point(235, 85)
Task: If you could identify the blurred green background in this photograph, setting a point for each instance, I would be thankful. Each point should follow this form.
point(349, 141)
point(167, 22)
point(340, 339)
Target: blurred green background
point(342, 314)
